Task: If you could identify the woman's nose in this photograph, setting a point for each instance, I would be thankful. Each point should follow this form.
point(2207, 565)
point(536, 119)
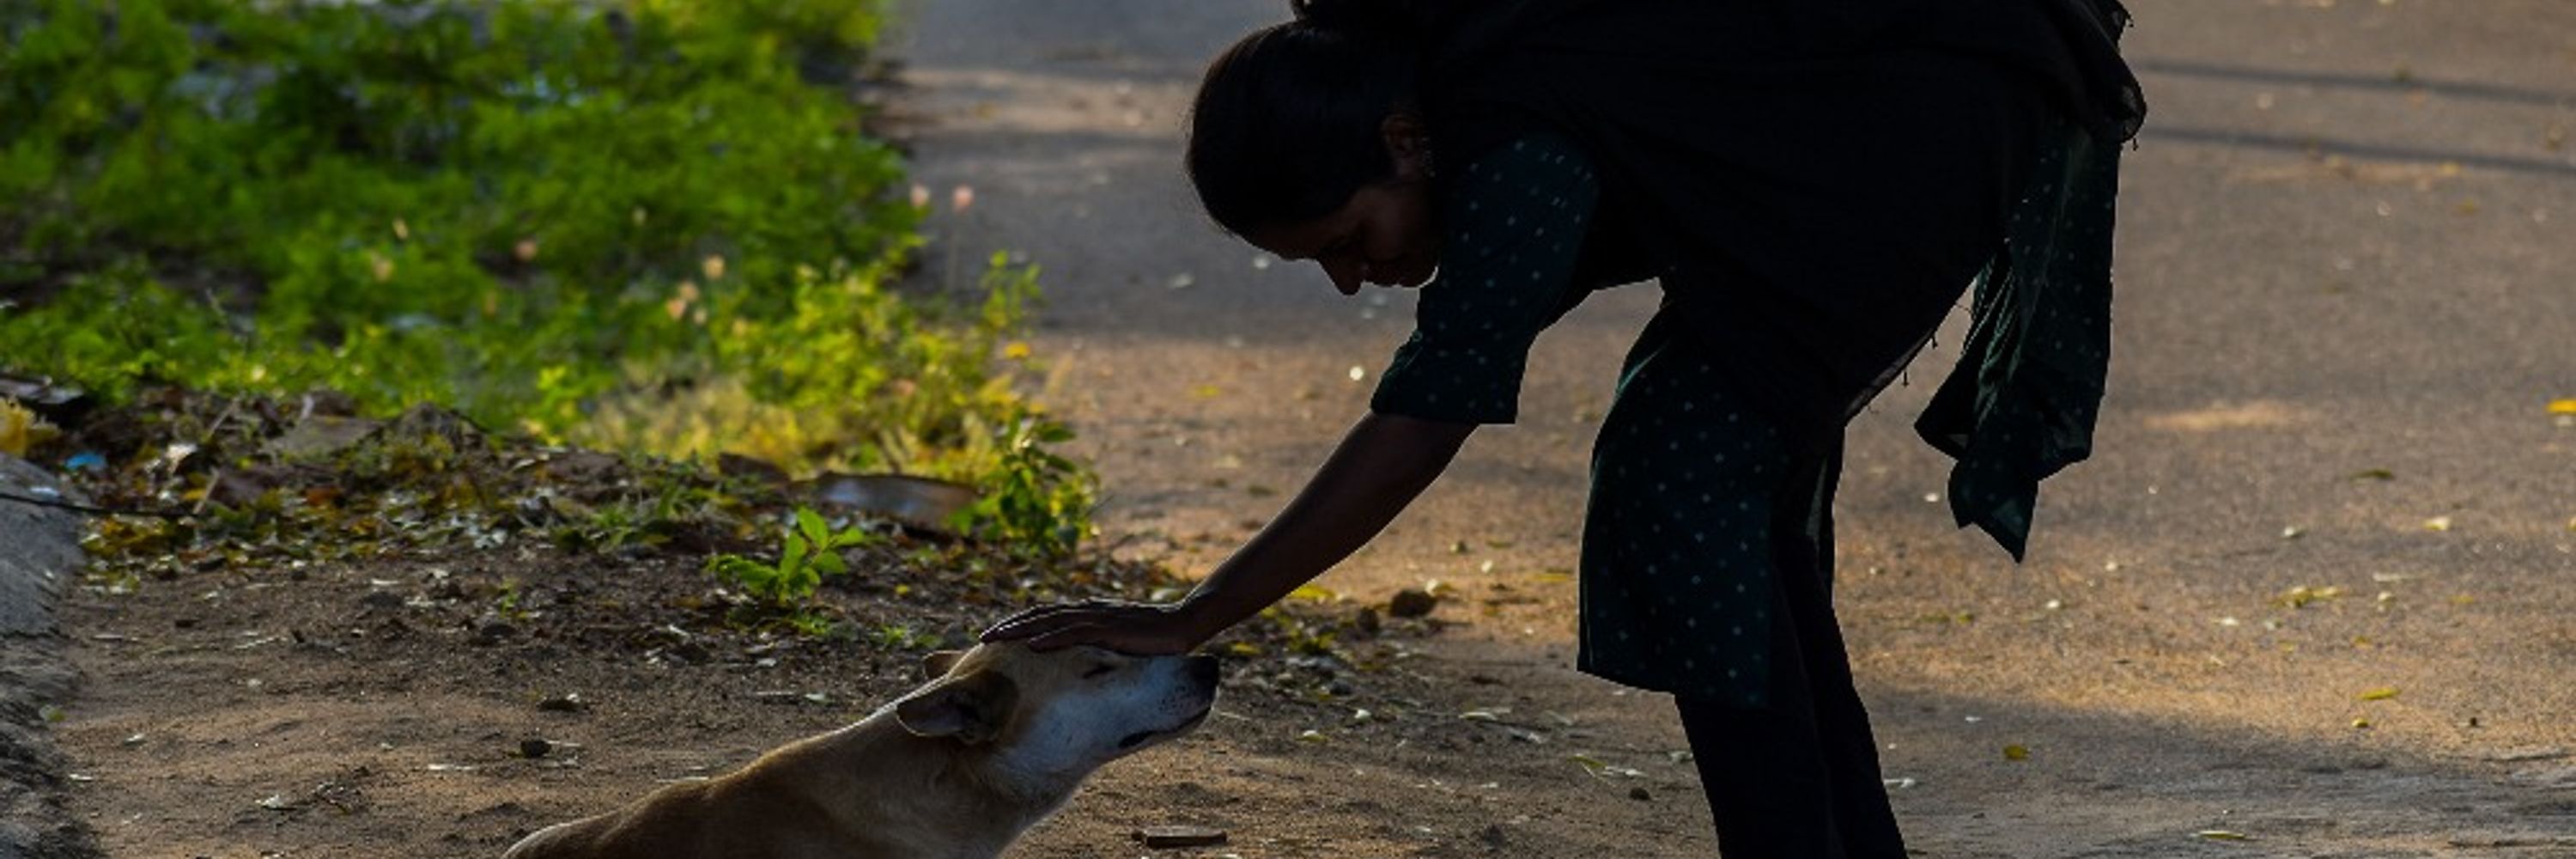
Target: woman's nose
point(1347, 275)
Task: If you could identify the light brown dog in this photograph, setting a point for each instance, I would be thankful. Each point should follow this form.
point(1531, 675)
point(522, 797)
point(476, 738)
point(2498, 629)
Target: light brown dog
point(955, 770)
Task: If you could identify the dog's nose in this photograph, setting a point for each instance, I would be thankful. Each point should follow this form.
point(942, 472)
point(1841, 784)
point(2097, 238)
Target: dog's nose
point(1203, 669)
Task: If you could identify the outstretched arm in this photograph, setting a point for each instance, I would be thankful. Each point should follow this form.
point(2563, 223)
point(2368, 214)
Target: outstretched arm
point(1379, 467)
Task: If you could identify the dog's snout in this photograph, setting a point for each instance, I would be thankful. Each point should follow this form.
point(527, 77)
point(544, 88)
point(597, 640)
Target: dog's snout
point(1203, 670)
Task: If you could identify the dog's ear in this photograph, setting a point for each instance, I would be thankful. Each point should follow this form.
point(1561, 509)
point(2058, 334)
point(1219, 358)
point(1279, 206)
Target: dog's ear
point(972, 709)
point(935, 664)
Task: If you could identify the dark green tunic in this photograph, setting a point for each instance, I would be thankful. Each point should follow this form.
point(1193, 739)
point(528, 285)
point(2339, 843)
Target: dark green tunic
point(1714, 470)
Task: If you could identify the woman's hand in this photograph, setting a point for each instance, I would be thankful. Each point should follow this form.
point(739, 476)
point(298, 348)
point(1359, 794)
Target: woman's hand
point(1139, 629)
point(1378, 468)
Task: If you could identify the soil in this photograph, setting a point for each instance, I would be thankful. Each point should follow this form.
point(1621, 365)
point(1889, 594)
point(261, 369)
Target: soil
point(390, 709)
point(2224, 645)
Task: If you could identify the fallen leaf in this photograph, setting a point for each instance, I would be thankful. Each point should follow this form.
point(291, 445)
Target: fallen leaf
point(2382, 693)
point(2222, 835)
point(2438, 523)
point(1314, 593)
point(2016, 753)
point(2562, 407)
point(2373, 474)
point(2299, 597)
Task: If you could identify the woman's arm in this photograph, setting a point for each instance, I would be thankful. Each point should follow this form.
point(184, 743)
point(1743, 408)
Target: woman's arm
point(1379, 467)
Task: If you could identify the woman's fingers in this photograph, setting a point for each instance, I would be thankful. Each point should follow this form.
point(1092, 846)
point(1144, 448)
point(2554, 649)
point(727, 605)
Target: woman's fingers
point(1141, 630)
point(1068, 636)
point(1033, 621)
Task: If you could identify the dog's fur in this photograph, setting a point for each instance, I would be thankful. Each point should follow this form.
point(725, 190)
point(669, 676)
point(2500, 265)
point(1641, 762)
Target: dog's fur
point(955, 770)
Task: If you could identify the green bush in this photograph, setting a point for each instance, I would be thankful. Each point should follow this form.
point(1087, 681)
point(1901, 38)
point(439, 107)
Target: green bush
point(653, 225)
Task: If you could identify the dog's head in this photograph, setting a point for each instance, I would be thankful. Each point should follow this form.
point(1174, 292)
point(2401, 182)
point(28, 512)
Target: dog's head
point(1062, 712)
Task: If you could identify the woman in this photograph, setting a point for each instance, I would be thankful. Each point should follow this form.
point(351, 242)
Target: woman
point(1813, 185)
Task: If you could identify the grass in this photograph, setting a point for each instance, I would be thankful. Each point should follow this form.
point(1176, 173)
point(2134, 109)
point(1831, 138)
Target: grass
point(646, 226)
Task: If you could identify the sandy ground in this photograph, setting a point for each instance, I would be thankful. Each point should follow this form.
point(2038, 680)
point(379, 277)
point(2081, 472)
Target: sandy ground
point(2343, 314)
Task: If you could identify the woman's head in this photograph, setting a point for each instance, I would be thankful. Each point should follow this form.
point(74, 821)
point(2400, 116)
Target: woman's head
point(1306, 140)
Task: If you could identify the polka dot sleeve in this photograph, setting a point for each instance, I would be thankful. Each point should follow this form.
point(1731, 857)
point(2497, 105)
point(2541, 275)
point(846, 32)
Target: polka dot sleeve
point(1513, 223)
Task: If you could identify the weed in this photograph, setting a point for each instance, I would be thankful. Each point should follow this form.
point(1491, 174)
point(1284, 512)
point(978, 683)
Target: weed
point(812, 550)
point(634, 224)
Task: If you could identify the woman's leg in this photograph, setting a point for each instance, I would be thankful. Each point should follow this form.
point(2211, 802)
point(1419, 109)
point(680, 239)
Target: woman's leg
point(1797, 776)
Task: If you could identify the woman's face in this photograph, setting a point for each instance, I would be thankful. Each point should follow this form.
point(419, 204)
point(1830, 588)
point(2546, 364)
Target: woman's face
point(1384, 235)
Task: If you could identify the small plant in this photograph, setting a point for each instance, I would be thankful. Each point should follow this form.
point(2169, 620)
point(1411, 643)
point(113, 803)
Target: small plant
point(812, 551)
point(899, 637)
point(1035, 498)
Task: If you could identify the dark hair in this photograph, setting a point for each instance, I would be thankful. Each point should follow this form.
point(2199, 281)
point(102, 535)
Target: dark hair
point(1286, 124)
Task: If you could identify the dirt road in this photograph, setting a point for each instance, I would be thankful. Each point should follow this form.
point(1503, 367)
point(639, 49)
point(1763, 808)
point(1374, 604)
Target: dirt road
point(2316, 595)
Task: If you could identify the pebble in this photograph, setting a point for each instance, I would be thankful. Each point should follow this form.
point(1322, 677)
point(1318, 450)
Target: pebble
point(1180, 836)
point(1412, 602)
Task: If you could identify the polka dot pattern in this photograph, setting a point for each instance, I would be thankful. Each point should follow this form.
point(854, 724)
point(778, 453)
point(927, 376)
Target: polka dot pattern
point(1512, 228)
point(1677, 575)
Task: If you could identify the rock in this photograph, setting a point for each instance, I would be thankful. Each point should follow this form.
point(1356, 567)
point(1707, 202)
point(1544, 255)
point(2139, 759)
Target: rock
point(1412, 602)
point(534, 747)
point(496, 630)
point(1366, 621)
point(386, 600)
point(569, 702)
point(1640, 794)
point(1161, 837)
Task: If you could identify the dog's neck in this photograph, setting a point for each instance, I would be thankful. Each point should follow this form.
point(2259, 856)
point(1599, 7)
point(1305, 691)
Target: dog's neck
point(976, 791)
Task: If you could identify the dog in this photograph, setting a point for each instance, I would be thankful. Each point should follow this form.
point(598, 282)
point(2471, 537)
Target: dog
point(995, 741)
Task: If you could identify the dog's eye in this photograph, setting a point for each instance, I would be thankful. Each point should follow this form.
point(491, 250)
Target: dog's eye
point(1098, 670)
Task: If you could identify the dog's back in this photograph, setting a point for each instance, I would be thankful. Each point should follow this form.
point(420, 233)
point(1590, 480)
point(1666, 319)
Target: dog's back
point(955, 770)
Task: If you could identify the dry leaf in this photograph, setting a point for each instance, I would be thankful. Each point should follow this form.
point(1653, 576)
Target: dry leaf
point(2299, 597)
point(1314, 593)
point(2016, 753)
point(2222, 835)
point(2382, 693)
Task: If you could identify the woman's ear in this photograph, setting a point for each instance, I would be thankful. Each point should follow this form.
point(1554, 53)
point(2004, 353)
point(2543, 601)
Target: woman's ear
point(1408, 145)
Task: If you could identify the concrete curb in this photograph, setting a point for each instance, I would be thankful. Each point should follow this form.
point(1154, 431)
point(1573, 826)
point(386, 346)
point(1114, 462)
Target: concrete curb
point(39, 553)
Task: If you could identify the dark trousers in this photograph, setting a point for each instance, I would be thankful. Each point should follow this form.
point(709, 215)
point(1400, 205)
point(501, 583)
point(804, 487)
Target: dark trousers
point(1797, 778)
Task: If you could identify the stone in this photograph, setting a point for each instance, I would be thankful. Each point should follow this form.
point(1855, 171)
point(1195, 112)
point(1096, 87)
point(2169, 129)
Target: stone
point(1162, 837)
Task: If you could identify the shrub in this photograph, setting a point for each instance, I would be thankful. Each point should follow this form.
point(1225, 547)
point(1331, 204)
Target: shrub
point(654, 225)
